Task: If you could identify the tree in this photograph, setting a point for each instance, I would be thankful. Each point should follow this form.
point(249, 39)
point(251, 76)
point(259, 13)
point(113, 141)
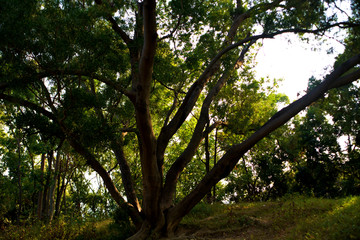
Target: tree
point(318, 140)
point(101, 74)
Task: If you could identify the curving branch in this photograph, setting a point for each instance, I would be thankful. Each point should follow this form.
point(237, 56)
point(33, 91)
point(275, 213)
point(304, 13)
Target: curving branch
point(232, 156)
point(97, 167)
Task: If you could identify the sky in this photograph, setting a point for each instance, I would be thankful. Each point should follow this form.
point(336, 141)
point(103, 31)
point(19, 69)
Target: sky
point(289, 58)
point(295, 61)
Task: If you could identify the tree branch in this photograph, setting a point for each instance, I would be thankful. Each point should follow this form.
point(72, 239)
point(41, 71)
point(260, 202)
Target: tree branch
point(197, 136)
point(232, 156)
point(173, 31)
point(193, 94)
point(27, 104)
point(97, 167)
point(116, 27)
point(125, 174)
point(75, 72)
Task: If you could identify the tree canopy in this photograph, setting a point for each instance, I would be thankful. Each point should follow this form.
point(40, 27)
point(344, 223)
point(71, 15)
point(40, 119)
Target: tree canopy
point(137, 86)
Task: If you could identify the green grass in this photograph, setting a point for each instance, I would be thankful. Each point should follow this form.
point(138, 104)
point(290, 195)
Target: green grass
point(290, 218)
point(342, 221)
point(65, 230)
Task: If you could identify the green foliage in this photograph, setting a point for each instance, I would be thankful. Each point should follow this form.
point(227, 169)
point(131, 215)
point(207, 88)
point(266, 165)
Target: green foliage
point(122, 221)
point(71, 71)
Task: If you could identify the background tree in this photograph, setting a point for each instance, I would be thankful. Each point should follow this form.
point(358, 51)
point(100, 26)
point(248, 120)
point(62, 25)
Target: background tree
point(96, 72)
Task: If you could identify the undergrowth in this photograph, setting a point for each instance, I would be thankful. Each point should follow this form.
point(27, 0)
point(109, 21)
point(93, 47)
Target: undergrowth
point(290, 218)
point(66, 230)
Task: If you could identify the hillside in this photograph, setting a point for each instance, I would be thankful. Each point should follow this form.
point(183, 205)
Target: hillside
point(292, 218)
point(289, 218)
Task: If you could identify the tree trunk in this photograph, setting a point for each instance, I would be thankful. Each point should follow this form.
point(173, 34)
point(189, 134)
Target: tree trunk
point(41, 192)
point(215, 159)
point(46, 199)
point(33, 195)
point(207, 163)
point(53, 186)
point(20, 193)
point(61, 185)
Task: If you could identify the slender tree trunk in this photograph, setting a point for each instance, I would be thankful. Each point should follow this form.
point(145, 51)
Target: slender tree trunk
point(41, 192)
point(61, 185)
point(58, 193)
point(46, 195)
point(215, 156)
point(33, 195)
point(53, 185)
point(20, 192)
point(207, 163)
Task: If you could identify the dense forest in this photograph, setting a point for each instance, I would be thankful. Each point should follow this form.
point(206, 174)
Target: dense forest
point(140, 110)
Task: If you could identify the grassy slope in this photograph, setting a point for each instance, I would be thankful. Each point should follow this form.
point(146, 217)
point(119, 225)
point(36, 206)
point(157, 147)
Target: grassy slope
point(292, 218)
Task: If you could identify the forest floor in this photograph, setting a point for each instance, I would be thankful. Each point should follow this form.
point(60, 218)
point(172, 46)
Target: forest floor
point(293, 218)
point(288, 218)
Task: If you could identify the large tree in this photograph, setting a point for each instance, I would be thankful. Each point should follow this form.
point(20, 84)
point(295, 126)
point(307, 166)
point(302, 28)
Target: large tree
point(102, 74)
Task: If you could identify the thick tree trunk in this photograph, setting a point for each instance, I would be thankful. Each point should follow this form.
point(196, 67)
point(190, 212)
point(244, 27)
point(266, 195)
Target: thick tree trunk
point(152, 178)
